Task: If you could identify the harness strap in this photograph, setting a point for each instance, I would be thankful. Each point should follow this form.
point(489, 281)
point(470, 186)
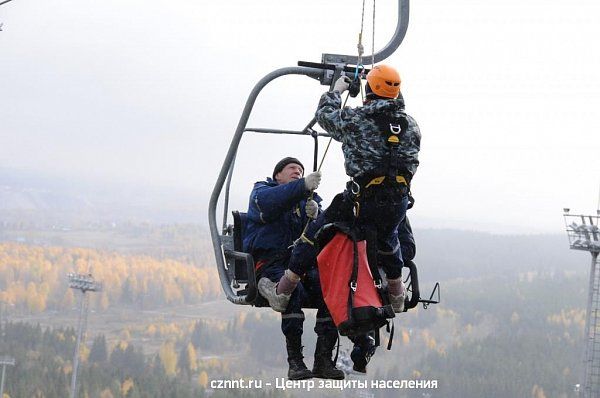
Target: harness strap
point(391, 332)
point(380, 180)
point(371, 238)
point(393, 128)
point(304, 238)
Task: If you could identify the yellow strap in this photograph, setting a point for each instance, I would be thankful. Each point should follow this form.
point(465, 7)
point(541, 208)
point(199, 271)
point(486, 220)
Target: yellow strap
point(304, 239)
point(375, 181)
point(401, 180)
point(379, 180)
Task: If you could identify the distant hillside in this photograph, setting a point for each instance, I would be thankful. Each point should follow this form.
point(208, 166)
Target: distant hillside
point(37, 199)
point(449, 254)
point(33, 279)
point(441, 254)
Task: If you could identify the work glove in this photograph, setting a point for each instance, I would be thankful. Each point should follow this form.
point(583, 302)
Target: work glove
point(312, 181)
point(312, 209)
point(342, 84)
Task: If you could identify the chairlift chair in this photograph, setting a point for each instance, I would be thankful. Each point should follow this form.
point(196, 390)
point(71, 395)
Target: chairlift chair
point(236, 268)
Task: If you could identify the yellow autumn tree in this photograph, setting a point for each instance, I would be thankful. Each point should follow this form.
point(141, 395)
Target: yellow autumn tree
point(126, 386)
point(192, 357)
point(84, 353)
point(537, 392)
point(151, 330)
point(106, 394)
point(168, 357)
point(514, 318)
point(203, 379)
point(36, 302)
point(405, 337)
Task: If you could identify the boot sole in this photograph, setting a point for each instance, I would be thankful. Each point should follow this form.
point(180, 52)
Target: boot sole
point(308, 376)
point(329, 378)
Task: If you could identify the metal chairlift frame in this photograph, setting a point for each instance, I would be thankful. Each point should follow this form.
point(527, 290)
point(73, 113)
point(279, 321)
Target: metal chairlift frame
point(227, 250)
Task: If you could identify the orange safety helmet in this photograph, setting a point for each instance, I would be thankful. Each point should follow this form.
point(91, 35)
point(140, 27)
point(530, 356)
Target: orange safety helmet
point(384, 81)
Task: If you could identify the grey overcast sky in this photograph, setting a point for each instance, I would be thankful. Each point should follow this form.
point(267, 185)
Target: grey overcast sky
point(506, 93)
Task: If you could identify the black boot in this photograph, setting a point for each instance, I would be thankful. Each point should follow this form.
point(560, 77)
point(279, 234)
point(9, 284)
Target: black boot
point(364, 349)
point(297, 370)
point(324, 367)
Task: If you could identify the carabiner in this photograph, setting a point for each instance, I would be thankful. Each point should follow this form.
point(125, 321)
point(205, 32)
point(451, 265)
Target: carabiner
point(354, 188)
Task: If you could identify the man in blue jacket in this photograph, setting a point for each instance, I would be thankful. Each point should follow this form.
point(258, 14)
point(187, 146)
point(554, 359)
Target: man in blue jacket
point(278, 210)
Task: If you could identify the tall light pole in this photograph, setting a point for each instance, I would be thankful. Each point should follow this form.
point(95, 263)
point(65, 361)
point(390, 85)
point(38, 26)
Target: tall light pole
point(584, 235)
point(5, 361)
point(83, 283)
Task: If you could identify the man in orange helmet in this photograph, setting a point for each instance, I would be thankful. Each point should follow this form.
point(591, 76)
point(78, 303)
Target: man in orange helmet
point(381, 144)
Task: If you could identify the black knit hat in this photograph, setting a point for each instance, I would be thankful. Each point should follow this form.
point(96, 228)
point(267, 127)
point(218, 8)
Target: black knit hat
point(284, 162)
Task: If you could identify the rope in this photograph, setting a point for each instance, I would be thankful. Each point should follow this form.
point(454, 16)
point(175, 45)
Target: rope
point(303, 237)
point(373, 39)
point(359, 65)
point(359, 46)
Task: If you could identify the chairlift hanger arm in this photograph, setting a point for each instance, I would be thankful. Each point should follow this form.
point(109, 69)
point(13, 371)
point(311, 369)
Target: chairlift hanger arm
point(331, 72)
point(390, 47)
point(277, 131)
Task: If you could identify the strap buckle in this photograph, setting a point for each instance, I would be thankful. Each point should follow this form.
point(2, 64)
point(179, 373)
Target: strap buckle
point(395, 128)
point(356, 208)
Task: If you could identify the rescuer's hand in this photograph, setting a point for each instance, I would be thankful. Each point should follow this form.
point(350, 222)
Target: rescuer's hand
point(342, 84)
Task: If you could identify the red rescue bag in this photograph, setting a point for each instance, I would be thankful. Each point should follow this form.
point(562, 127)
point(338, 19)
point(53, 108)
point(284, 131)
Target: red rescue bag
point(349, 290)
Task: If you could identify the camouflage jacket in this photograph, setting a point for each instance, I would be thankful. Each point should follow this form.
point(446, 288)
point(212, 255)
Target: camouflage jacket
point(365, 148)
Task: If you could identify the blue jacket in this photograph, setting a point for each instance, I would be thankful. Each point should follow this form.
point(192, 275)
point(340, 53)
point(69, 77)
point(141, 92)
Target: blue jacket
point(276, 217)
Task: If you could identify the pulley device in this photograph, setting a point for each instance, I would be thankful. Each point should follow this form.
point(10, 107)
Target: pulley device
point(235, 267)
